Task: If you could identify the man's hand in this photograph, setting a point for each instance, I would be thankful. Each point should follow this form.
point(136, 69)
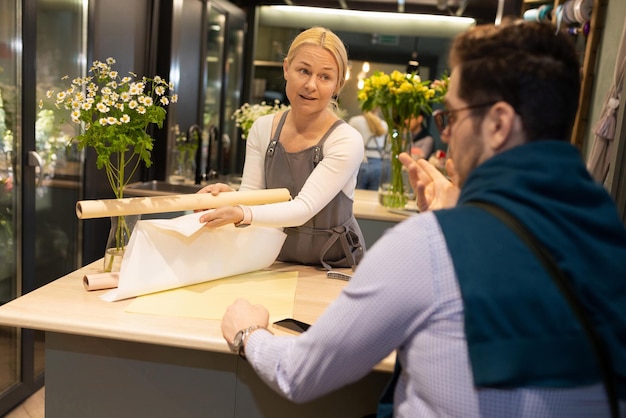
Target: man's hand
point(240, 315)
point(432, 189)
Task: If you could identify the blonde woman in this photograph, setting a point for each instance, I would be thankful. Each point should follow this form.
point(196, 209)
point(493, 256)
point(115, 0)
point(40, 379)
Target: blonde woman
point(311, 152)
point(373, 130)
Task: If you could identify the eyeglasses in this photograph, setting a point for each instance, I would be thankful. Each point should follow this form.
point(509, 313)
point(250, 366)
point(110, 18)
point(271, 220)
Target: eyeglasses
point(444, 117)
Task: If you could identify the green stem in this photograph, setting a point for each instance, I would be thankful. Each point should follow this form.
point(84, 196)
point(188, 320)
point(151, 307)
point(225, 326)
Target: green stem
point(133, 171)
point(121, 236)
point(396, 196)
point(116, 175)
point(109, 266)
point(120, 179)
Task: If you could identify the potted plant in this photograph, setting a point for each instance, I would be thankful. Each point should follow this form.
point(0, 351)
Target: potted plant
point(115, 113)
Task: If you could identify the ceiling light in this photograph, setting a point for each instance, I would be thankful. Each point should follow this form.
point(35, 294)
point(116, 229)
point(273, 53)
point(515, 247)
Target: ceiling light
point(408, 24)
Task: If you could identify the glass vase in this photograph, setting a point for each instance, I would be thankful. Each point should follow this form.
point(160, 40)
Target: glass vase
point(394, 190)
point(119, 235)
point(184, 166)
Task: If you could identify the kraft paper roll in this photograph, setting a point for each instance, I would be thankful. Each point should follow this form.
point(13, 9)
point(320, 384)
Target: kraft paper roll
point(88, 209)
point(100, 281)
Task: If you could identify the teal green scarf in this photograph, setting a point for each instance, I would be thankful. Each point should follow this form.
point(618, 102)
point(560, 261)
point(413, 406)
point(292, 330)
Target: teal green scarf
point(520, 330)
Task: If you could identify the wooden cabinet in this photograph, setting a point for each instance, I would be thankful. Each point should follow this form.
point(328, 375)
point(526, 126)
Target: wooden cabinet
point(588, 46)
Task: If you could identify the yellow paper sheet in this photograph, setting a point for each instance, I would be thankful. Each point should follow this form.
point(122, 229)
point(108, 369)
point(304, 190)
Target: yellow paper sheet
point(274, 290)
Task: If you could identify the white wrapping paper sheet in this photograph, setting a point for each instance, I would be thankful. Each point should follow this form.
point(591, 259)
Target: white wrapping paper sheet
point(166, 254)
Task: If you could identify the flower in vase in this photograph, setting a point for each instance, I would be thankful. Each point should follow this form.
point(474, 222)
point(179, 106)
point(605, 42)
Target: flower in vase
point(115, 113)
point(49, 139)
point(186, 147)
point(399, 97)
point(246, 115)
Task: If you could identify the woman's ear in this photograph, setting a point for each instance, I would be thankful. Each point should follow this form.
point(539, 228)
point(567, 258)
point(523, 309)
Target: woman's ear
point(500, 125)
point(285, 68)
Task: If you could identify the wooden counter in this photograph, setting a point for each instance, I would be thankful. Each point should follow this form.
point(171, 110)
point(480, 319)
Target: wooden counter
point(103, 361)
point(373, 218)
point(366, 206)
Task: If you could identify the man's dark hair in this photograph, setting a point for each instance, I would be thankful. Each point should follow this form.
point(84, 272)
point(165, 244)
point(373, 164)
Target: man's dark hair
point(529, 65)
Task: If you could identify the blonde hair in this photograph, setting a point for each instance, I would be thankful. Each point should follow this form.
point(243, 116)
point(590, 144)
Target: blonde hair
point(374, 123)
point(325, 38)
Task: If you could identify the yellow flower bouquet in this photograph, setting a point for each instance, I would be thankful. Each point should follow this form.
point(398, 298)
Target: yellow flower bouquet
point(399, 97)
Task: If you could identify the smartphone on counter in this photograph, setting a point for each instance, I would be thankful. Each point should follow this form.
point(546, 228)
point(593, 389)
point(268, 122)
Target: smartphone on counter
point(291, 325)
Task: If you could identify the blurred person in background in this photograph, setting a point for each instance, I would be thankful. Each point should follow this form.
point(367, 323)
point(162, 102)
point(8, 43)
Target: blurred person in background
point(374, 131)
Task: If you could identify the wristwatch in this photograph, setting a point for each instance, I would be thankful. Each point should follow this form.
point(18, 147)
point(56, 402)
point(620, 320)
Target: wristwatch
point(239, 341)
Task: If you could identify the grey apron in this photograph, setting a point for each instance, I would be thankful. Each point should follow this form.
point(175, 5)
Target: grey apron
point(331, 238)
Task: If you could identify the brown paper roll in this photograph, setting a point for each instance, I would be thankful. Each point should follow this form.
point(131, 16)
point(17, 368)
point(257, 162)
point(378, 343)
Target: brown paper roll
point(88, 209)
point(99, 281)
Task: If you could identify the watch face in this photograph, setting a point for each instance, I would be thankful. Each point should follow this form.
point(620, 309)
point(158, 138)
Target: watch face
point(237, 341)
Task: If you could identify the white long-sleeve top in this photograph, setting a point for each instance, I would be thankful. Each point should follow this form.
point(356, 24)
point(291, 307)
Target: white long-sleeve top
point(417, 309)
point(343, 153)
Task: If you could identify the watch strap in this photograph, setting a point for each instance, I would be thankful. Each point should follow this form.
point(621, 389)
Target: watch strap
point(240, 348)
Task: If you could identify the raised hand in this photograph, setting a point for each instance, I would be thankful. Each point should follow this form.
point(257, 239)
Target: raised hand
point(432, 189)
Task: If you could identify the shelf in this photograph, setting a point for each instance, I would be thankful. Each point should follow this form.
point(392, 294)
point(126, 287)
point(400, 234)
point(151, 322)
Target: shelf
point(589, 72)
point(535, 2)
point(588, 62)
point(262, 63)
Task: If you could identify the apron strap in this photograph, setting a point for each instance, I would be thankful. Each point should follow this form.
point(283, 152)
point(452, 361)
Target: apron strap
point(272, 146)
point(348, 241)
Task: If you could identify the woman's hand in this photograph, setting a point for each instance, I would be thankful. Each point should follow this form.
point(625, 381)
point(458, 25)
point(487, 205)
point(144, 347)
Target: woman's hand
point(216, 188)
point(432, 189)
point(222, 216)
point(241, 315)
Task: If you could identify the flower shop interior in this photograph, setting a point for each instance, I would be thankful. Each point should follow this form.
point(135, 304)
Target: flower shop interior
point(216, 57)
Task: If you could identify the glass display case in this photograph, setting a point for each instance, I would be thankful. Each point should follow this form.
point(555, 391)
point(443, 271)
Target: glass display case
point(209, 76)
point(42, 178)
point(40, 173)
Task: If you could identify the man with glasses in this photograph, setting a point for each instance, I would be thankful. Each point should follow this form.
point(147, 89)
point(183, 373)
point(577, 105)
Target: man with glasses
point(478, 325)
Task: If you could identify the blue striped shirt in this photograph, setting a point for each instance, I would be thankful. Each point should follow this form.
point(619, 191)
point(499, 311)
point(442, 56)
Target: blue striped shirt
point(405, 296)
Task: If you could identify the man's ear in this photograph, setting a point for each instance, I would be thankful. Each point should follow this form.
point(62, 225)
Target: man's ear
point(500, 124)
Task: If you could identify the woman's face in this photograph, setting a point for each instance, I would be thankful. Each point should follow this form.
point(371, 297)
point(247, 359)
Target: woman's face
point(312, 79)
